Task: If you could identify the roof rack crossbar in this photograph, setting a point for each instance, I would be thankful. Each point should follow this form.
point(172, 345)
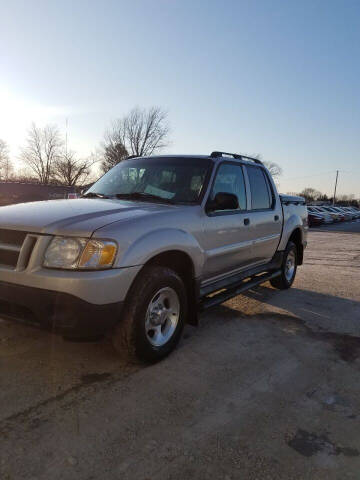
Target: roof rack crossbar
point(221, 154)
point(235, 155)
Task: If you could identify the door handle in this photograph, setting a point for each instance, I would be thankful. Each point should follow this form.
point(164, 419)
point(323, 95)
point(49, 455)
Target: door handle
point(246, 221)
point(276, 218)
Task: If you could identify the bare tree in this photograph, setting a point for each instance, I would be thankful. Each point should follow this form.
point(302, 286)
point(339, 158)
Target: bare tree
point(4, 150)
point(43, 148)
point(141, 132)
point(24, 175)
point(311, 194)
point(6, 166)
point(69, 170)
point(346, 198)
point(114, 153)
point(273, 168)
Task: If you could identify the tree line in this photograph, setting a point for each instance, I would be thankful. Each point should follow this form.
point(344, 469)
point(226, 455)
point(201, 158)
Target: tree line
point(141, 132)
point(313, 195)
point(47, 159)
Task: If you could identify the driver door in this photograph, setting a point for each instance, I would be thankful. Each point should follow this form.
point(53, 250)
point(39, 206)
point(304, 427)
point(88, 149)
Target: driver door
point(228, 236)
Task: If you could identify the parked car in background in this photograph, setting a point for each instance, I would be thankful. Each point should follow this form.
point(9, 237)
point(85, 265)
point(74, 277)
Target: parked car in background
point(345, 214)
point(339, 216)
point(315, 220)
point(355, 211)
point(349, 211)
point(334, 216)
point(332, 213)
point(323, 213)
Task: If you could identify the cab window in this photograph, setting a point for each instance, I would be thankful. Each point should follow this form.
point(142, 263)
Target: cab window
point(260, 189)
point(230, 179)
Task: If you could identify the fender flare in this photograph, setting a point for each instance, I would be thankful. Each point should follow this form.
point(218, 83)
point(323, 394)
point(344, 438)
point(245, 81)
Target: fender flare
point(292, 223)
point(160, 241)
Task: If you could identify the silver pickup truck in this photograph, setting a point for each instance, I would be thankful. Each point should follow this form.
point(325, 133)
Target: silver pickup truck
point(152, 243)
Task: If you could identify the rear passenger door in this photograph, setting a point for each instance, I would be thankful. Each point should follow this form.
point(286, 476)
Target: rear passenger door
point(265, 215)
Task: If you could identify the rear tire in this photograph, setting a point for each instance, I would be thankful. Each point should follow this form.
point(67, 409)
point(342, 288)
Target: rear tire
point(288, 268)
point(154, 316)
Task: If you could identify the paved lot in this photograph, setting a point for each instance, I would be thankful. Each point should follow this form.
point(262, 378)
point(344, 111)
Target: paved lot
point(267, 388)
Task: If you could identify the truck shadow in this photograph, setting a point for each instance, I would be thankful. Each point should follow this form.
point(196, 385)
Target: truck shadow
point(308, 304)
point(321, 317)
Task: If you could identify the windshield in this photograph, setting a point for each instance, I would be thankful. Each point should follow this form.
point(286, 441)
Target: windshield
point(175, 180)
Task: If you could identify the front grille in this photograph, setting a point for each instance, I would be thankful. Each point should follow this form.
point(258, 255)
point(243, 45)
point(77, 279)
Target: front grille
point(8, 257)
point(12, 244)
point(12, 237)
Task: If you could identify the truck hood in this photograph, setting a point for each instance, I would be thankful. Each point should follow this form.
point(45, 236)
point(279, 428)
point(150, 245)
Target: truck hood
point(74, 217)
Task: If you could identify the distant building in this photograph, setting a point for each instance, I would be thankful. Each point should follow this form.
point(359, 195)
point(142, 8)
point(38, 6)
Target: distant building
point(17, 192)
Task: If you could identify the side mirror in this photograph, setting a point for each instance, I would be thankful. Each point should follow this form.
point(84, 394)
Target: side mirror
point(223, 201)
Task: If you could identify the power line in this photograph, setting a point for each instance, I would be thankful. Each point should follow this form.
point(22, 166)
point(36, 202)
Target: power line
point(346, 172)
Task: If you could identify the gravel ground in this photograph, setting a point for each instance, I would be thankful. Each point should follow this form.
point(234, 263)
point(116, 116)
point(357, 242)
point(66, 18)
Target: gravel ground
point(266, 388)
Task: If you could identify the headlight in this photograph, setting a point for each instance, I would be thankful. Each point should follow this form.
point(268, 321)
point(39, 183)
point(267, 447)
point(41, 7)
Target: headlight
point(79, 253)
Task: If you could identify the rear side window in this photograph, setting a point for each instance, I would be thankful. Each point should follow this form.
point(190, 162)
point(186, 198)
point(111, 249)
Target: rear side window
point(260, 189)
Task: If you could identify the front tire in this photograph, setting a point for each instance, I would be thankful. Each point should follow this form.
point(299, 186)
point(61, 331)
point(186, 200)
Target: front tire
point(154, 316)
point(288, 268)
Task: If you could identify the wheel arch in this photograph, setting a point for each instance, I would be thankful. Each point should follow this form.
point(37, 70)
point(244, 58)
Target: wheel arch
point(180, 262)
point(296, 237)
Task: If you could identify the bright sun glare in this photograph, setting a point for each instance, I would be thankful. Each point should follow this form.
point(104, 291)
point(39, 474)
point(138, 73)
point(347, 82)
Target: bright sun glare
point(16, 115)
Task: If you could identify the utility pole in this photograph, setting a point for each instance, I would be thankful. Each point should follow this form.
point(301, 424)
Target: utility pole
point(336, 182)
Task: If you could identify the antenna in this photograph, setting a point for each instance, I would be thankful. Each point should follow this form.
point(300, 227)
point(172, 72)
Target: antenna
point(66, 137)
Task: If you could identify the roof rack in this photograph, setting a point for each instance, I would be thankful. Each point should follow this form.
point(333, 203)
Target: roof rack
point(235, 155)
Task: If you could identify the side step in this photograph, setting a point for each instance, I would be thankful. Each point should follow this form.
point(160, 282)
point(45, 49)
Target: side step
point(223, 295)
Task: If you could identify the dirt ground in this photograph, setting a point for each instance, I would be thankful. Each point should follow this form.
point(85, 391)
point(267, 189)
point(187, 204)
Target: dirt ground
point(266, 388)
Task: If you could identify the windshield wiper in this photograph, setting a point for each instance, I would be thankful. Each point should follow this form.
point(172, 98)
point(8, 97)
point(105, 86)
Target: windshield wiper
point(143, 196)
point(94, 195)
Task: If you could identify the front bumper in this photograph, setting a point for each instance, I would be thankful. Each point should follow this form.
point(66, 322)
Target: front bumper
point(56, 311)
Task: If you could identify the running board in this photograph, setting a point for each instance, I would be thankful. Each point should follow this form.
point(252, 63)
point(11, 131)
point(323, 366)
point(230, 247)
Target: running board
point(234, 290)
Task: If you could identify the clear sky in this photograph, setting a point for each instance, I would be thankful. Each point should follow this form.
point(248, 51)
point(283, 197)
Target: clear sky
point(275, 78)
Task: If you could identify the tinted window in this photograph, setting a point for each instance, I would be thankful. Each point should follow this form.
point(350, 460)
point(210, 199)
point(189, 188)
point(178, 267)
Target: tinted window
point(230, 179)
point(260, 195)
